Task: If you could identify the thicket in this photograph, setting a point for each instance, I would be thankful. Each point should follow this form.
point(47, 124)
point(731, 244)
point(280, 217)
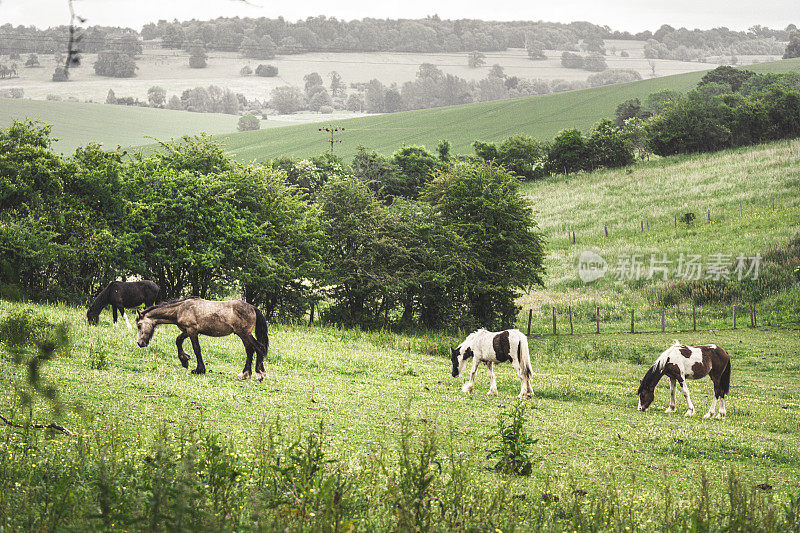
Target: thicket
point(285, 235)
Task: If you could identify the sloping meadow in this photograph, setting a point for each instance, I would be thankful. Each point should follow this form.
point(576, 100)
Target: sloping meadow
point(368, 431)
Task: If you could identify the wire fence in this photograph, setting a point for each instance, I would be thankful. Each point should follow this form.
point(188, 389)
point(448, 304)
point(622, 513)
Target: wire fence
point(587, 319)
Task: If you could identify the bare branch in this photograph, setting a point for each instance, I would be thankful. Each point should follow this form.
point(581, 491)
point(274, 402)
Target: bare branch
point(51, 425)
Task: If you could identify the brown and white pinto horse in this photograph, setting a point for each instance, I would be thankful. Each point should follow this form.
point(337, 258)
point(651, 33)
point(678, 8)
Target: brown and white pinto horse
point(679, 363)
point(493, 347)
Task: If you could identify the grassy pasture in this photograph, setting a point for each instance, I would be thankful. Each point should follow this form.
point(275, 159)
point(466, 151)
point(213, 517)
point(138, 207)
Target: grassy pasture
point(539, 116)
point(363, 386)
point(724, 182)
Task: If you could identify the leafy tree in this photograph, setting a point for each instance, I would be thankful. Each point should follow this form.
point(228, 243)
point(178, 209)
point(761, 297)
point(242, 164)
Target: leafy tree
point(594, 45)
point(595, 63)
point(175, 103)
point(377, 172)
point(476, 59)
point(248, 123)
point(337, 86)
point(690, 125)
point(733, 77)
point(793, 48)
point(246, 71)
point(32, 61)
point(484, 205)
point(658, 102)
point(312, 83)
point(115, 64)
point(570, 60)
point(568, 152)
point(497, 71)
point(628, 109)
point(519, 154)
point(417, 167)
point(197, 55)
point(60, 74)
point(607, 146)
point(320, 99)
point(375, 97)
point(258, 47)
point(157, 96)
point(354, 103)
point(356, 254)
point(266, 71)
point(111, 98)
point(286, 99)
point(535, 49)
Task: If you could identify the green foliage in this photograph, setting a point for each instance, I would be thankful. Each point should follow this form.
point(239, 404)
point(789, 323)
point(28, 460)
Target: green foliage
point(115, 64)
point(266, 71)
point(249, 123)
point(197, 55)
point(286, 99)
point(734, 77)
point(793, 47)
point(484, 205)
point(511, 444)
point(416, 167)
point(476, 59)
point(568, 152)
point(520, 154)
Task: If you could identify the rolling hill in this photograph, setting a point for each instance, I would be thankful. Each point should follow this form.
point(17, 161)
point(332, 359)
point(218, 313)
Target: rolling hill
point(76, 124)
point(539, 116)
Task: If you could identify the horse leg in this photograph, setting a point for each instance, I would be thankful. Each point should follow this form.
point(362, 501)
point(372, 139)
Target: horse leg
point(524, 384)
point(261, 353)
point(469, 385)
point(248, 347)
point(114, 309)
point(127, 322)
point(201, 367)
point(182, 356)
point(722, 411)
point(690, 411)
point(492, 380)
point(671, 408)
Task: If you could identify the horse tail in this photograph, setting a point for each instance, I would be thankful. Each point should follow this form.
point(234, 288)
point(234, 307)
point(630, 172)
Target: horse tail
point(725, 379)
point(524, 356)
point(93, 313)
point(262, 334)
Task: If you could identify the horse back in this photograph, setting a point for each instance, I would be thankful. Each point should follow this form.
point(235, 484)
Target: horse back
point(217, 318)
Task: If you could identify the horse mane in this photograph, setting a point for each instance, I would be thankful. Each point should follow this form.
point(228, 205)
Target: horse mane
point(168, 302)
point(652, 372)
point(100, 301)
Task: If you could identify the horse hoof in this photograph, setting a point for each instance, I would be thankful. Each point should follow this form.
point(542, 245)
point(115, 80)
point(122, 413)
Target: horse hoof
point(492, 393)
point(721, 416)
point(199, 371)
point(669, 410)
point(185, 363)
point(466, 388)
point(243, 376)
point(689, 413)
point(261, 375)
point(707, 415)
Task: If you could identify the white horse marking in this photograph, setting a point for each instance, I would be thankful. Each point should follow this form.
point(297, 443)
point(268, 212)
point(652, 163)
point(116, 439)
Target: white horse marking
point(494, 347)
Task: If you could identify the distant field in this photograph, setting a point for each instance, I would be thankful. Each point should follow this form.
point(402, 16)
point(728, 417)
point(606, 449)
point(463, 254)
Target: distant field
point(170, 69)
point(539, 116)
point(76, 124)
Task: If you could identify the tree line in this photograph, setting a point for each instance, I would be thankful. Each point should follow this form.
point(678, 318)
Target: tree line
point(437, 243)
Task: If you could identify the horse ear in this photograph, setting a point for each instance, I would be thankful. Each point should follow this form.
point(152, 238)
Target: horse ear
point(139, 314)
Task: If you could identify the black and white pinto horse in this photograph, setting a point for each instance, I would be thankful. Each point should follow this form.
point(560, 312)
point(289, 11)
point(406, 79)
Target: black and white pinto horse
point(679, 363)
point(493, 347)
point(121, 295)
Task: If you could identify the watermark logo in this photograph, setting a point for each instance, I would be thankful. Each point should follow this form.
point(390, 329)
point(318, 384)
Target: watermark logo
point(591, 266)
point(641, 266)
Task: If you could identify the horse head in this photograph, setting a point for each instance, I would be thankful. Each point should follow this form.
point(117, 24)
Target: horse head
point(144, 329)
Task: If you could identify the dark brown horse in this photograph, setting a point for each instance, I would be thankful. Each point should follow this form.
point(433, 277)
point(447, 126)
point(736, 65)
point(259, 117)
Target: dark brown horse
point(122, 294)
point(196, 316)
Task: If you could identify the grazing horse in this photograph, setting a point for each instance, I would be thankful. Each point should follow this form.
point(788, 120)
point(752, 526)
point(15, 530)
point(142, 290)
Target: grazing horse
point(494, 347)
point(679, 363)
point(122, 294)
point(195, 316)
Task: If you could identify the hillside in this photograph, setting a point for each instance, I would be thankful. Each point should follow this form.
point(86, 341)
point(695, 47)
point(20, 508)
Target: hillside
point(539, 116)
point(737, 187)
point(76, 124)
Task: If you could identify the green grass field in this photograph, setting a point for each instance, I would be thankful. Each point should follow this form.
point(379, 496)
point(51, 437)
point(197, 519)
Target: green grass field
point(737, 186)
point(539, 116)
point(367, 388)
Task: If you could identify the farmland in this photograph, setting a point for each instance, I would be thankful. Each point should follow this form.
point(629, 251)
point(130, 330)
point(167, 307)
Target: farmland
point(170, 69)
point(539, 116)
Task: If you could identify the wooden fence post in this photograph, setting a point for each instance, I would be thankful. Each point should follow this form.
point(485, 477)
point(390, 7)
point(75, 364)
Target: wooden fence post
point(734, 316)
point(605, 229)
point(597, 319)
point(647, 223)
point(755, 317)
point(675, 221)
point(740, 209)
point(570, 320)
point(641, 223)
point(632, 328)
point(751, 316)
point(773, 204)
point(662, 321)
point(694, 318)
point(554, 321)
point(530, 315)
point(709, 214)
point(573, 236)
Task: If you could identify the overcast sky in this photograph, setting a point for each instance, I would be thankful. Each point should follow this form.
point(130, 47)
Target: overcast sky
point(631, 15)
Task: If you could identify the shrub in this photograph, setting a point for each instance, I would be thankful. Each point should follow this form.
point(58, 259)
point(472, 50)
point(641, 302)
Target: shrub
point(511, 444)
point(115, 64)
point(246, 71)
point(249, 123)
point(266, 71)
point(326, 109)
point(610, 77)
